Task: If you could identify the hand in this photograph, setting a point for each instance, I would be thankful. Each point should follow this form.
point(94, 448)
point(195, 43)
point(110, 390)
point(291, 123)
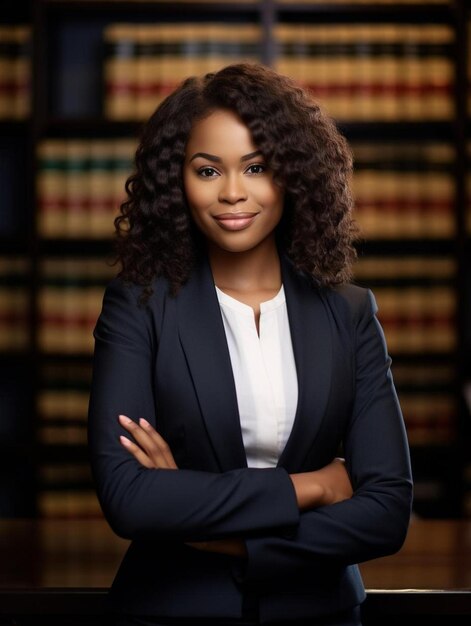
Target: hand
point(150, 449)
point(232, 547)
point(153, 452)
point(328, 485)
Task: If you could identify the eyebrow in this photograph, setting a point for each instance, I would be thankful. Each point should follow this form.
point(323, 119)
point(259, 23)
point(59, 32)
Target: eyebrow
point(213, 157)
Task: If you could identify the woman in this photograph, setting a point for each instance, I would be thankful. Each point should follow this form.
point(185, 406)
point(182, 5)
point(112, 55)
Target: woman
point(244, 428)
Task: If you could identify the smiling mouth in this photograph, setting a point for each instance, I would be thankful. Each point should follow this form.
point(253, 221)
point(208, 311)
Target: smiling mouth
point(235, 221)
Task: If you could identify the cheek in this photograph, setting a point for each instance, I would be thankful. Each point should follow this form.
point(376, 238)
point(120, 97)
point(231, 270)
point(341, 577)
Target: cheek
point(274, 197)
point(271, 194)
point(198, 196)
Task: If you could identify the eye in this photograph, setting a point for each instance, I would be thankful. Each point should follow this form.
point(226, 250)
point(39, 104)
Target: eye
point(207, 172)
point(257, 168)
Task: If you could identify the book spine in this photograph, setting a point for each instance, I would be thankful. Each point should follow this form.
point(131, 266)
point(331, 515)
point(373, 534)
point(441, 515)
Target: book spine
point(120, 71)
point(77, 189)
point(101, 186)
point(51, 188)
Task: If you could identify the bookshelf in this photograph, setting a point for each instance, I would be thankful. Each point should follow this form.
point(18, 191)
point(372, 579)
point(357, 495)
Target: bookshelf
point(394, 75)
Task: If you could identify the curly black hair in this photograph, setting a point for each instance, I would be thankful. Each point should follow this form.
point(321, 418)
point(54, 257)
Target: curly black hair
point(155, 235)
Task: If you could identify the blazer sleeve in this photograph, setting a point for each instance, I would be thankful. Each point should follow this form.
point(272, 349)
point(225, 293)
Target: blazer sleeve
point(374, 522)
point(159, 503)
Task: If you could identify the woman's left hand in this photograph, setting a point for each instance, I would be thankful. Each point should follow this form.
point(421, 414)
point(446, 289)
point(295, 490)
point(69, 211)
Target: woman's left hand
point(150, 450)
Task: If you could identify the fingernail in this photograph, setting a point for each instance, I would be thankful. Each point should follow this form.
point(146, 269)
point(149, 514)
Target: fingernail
point(124, 441)
point(144, 423)
point(125, 419)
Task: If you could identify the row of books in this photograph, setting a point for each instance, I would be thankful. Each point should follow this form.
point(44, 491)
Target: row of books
point(416, 298)
point(80, 186)
point(425, 390)
point(62, 403)
point(145, 62)
point(358, 71)
point(14, 303)
point(69, 302)
point(404, 190)
point(373, 72)
point(415, 294)
point(416, 270)
point(430, 417)
point(68, 502)
point(401, 191)
point(15, 71)
point(418, 319)
point(429, 413)
point(417, 301)
point(66, 489)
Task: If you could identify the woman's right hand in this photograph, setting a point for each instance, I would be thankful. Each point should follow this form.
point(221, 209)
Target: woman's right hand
point(328, 485)
point(149, 448)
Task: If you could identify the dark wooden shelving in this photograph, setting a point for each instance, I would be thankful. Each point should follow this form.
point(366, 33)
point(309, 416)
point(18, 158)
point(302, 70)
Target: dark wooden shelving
point(51, 18)
point(399, 248)
point(90, 128)
point(372, 13)
point(76, 247)
point(144, 9)
point(400, 131)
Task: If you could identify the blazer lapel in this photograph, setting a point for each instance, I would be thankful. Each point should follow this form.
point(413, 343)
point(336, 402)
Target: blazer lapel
point(203, 339)
point(312, 347)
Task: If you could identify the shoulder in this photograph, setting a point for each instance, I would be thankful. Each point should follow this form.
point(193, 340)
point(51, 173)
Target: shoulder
point(354, 297)
point(346, 299)
point(121, 292)
point(350, 305)
point(126, 310)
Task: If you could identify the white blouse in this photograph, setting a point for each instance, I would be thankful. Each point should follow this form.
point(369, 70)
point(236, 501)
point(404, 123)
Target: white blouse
point(264, 374)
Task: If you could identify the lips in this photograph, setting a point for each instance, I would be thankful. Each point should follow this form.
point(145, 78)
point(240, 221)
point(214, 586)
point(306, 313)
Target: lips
point(235, 221)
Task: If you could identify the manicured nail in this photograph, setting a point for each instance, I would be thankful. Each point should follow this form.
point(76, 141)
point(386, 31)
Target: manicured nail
point(144, 423)
point(125, 419)
point(124, 441)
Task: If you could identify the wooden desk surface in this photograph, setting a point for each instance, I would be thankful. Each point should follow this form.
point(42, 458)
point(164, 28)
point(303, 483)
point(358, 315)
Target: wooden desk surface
point(42, 554)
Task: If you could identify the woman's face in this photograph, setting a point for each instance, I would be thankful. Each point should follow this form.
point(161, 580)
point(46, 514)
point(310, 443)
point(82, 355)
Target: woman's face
point(229, 189)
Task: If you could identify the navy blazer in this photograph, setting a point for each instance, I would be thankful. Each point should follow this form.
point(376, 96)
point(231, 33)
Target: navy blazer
point(168, 361)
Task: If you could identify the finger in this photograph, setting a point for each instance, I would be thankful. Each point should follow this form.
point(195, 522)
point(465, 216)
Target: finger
point(144, 442)
point(151, 446)
point(137, 452)
point(160, 442)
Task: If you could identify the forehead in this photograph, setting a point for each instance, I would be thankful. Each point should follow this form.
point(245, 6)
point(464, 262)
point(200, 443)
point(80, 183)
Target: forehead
point(222, 131)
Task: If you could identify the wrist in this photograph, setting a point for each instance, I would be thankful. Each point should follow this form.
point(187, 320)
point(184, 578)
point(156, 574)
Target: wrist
point(309, 492)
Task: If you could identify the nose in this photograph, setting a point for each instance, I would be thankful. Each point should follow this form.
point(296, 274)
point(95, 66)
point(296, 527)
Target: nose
point(232, 189)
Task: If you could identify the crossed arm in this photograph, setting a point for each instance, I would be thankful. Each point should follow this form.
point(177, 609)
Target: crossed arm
point(328, 485)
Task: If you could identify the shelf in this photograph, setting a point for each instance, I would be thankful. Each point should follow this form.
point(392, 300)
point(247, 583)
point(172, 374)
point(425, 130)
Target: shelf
point(76, 247)
point(16, 11)
point(395, 247)
point(90, 128)
point(370, 131)
point(14, 128)
point(17, 357)
point(400, 131)
point(14, 246)
point(62, 453)
point(50, 357)
point(146, 9)
point(401, 283)
point(347, 12)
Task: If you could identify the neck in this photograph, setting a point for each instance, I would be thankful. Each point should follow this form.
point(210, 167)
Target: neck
point(246, 271)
